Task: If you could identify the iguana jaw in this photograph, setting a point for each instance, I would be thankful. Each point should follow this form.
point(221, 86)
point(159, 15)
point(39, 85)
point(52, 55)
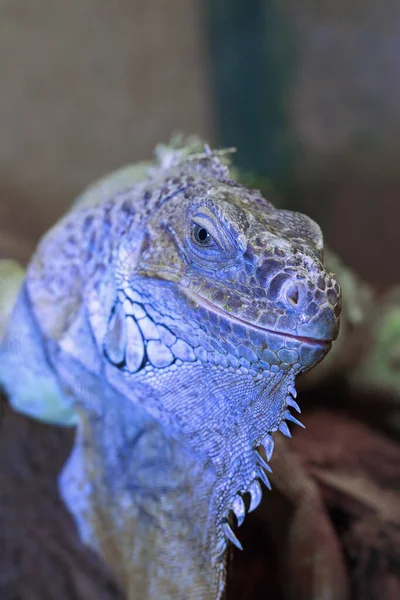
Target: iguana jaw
point(200, 300)
point(275, 350)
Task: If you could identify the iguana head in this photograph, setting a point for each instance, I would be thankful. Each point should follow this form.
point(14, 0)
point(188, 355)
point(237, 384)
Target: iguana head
point(247, 274)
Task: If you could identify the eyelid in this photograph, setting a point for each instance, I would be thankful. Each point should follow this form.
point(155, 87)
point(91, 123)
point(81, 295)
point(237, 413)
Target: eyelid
point(223, 234)
point(203, 221)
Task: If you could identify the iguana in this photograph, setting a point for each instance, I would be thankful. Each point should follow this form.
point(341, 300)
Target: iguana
point(167, 315)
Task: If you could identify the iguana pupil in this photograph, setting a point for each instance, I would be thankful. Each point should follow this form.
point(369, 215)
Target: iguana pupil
point(201, 235)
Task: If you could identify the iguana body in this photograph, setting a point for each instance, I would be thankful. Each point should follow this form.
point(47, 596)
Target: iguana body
point(169, 320)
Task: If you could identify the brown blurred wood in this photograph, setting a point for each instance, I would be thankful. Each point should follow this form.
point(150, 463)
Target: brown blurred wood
point(41, 556)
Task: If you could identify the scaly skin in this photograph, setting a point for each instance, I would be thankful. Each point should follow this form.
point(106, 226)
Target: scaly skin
point(169, 320)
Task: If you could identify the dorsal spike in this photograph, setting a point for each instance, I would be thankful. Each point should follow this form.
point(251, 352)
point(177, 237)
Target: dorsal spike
point(264, 479)
point(291, 402)
point(255, 495)
point(239, 509)
point(268, 443)
point(290, 417)
point(262, 463)
point(283, 428)
point(231, 536)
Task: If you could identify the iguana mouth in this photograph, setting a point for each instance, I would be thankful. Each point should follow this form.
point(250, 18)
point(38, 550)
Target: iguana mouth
point(200, 300)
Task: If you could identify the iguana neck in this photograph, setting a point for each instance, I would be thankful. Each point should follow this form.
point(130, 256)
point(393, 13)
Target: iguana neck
point(143, 499)
point(163, 484)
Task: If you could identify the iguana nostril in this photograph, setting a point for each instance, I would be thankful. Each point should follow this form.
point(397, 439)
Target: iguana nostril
point(293, 295)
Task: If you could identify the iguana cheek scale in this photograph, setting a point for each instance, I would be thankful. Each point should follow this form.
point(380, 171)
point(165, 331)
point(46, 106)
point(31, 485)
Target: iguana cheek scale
point(169, 319)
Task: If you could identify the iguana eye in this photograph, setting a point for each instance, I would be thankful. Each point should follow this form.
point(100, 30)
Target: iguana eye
point(201, 235)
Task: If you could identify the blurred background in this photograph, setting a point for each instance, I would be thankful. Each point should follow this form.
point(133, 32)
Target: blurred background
point(309, 93)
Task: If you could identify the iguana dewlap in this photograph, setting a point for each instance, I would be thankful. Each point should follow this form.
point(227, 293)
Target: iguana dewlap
point(168, 314)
